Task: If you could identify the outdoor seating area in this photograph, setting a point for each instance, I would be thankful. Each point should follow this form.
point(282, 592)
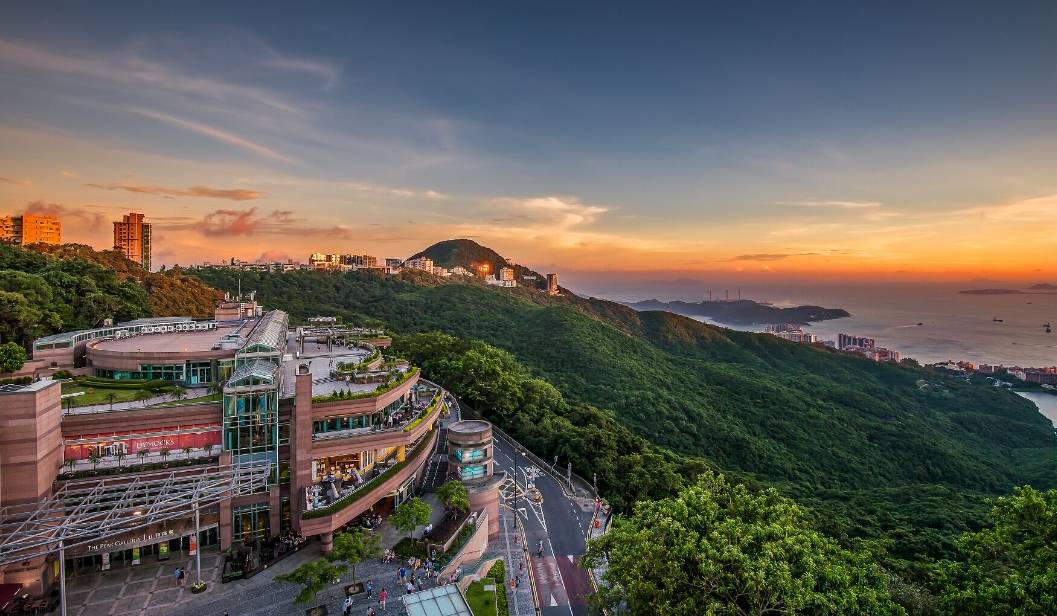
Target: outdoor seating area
point(340, 482)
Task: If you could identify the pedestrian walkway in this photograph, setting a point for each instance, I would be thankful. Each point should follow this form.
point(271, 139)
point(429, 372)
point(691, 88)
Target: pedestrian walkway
point(509, 546)
point(140, 590)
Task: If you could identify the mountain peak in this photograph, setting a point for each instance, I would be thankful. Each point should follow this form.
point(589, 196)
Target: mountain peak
point(471, 255)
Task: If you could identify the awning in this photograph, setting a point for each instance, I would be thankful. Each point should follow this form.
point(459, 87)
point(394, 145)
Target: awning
point(7, 593)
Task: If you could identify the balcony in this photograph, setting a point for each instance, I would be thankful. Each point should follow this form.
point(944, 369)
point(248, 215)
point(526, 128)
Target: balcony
point(353, 503)
point(407, 428)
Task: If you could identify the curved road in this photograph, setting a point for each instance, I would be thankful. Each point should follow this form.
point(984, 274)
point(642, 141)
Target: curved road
point(560, 522)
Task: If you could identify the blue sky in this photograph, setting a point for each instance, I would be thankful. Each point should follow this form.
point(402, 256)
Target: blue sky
point(757, 138)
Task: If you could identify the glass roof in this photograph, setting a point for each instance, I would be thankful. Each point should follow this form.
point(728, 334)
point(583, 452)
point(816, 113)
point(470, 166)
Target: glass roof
point(260, 369)
point(443, 600)
point(270, 332)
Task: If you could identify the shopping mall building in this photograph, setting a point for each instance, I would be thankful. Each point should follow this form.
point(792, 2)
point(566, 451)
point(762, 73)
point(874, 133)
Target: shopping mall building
point(344, 430)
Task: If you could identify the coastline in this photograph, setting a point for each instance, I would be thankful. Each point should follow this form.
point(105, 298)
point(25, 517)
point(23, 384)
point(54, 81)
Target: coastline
point(1045, 402)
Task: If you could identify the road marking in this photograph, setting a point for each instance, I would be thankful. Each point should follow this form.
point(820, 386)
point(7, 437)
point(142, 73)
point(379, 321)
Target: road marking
point(553, 602)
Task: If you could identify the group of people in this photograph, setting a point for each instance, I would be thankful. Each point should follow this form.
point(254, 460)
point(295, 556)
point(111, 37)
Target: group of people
point(371, 522)
point(417, 571)
point(383, 600)
point(290, 541)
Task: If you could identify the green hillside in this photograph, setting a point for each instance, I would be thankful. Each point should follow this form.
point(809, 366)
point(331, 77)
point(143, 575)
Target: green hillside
point(48, 289)
point(870, 448)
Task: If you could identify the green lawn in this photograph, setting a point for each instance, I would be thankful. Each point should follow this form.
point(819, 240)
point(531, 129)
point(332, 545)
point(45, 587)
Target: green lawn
point(96, 395)
point(482, 602)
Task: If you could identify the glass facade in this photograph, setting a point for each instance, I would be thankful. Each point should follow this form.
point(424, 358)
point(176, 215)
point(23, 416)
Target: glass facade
point(250, 522)
point(469, 455)
point(190, 373)
point(472, 472)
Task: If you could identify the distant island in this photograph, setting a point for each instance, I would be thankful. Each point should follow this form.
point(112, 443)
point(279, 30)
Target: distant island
point(1035, 289)
point(744, 311)
point(993, 292)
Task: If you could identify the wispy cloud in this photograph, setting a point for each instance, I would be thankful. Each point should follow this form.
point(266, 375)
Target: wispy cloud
point(251, 222)
point(771, 256)
point(847, 205)
point(212, 132)
point(559, 213)
point(14, 181)
point(133, 69)
point(233, 194)
point(382, 189)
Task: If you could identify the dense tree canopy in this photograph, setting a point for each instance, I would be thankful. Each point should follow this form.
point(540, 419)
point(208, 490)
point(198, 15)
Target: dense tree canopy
point(1010, 567)
point(718, 549)
point(69, 287)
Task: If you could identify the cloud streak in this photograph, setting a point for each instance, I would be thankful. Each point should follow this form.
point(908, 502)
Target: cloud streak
point(845, 205)
point(212, 132)
point(231, 223)
point(233, 194)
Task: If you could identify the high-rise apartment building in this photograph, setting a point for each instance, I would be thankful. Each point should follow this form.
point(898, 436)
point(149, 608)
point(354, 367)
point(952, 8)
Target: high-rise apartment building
point(132, 238)
point(31, 229)
point(552, 284)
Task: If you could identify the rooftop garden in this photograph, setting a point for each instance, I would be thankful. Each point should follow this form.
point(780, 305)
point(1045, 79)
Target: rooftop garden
point(394, 380)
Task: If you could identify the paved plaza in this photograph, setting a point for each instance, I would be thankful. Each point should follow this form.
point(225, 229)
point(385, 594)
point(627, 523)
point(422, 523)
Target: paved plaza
point(147, 589)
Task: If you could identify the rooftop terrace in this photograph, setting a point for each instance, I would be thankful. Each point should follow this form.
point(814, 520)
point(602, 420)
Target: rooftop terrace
point(170, 342)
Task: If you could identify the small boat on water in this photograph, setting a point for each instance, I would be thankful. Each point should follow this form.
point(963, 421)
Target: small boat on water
point(920, 324)
point(998, 320)
point(1046, 326)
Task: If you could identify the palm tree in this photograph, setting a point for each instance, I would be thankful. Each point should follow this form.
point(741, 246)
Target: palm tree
point(72, 462)
point(95, 458)
point(143, 395)
point(187, 452)
point(208, 448)
point(142, 455)
point(164, 453)
point(179, 393)
point(110, 398)
point(120, 456)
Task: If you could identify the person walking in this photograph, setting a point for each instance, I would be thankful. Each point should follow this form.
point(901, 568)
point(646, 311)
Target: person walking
point(401, 574)
point(382, 598)
point(370, 590)
point(539, 549)
point(409, 587)
point(347, 606)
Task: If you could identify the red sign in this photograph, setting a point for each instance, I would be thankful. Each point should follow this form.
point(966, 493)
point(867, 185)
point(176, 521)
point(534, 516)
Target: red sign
point(151, 443)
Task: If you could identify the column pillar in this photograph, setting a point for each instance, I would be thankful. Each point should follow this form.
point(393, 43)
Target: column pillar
point(401, 453)
point(274, 519)
point(224, 520)
point(300, 444)
point(326, 541)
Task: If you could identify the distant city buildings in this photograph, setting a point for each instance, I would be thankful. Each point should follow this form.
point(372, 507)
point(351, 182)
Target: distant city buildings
point(866, 347)
point(257, 266)
point(1042, 376)
point(792, 333)
point(459, 270)
point(132, 237)
point(31, 229)
point(424, 264)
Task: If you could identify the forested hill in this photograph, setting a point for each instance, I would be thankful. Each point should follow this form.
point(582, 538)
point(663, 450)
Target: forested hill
point(48, 289)
point(877, 449)
point(471, 255)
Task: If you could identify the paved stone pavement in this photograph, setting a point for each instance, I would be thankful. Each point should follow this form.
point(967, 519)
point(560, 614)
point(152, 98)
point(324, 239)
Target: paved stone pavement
point(146, 589)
